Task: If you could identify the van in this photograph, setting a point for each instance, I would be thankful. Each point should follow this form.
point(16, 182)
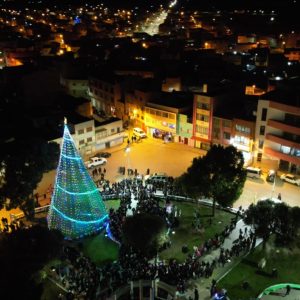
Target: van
point(253, 172)
point(139, 132)
point(157, 177)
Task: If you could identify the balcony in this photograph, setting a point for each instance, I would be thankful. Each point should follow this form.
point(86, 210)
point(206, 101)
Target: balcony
point(284, 127)
point(282, 141)
point(273, 153)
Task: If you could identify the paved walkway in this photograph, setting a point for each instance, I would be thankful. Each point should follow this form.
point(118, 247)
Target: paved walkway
point(203, 284)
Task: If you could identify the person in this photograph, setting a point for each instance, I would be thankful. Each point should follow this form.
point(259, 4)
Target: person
point(288, 290)
point(279, 196)
point(196, 294)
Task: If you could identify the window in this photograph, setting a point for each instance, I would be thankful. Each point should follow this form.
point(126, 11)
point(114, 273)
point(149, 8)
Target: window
point(158, 113)
point(216, 122)
point(201, 117)
point(89, 129)
point(226, 123)
point(260, 144)
point(226, 135)
point(262, 130)
point(90, 139)
point(112, 130)
point(201, 130)
point(264, 114)
point(81, 142)
point(172, 116)
point(243, 129)
point(204, 106)
point(242, 140)
point(80, 131)
point(165, 115)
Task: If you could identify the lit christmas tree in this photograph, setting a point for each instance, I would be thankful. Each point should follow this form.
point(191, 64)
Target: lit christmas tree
point(76, 206)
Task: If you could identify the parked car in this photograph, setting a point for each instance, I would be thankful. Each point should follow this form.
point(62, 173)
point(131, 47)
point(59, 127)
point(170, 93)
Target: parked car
point(290, 178)
point(104, 154)
point(95, 161)
point(139, 132)
point(271, 176)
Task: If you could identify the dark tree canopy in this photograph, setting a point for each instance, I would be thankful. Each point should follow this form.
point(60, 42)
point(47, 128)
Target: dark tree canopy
point(274, 218)
point(24, 161)
point(218, 175)
point(22, 254)
point(142, 232)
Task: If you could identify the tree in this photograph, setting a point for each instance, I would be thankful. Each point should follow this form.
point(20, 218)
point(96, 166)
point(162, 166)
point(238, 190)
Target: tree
point(77, 208)
point(22, 254)
point(144, 232)
point(218, 175)
point(261, 216)
point(24, 162)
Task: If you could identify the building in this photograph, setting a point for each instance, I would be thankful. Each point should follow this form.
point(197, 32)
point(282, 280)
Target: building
point(163, 114)
point(91, 136)
point(137, 98)
point(278, 129)
point(105, 92)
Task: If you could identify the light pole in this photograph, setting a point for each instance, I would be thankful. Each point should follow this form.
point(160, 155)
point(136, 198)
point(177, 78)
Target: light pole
point(127, 152)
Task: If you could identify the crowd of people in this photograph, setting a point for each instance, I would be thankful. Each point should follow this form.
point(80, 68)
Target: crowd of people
point(84, 278)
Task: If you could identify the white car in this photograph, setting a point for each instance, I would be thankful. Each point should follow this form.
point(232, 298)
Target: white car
point(290, 178)
point(139, 132)
point(96, 161)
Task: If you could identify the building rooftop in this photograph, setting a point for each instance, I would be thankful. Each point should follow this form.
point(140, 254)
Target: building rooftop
point(243, 107)
point(175, 99)
point(108, 121)
point(283, 95)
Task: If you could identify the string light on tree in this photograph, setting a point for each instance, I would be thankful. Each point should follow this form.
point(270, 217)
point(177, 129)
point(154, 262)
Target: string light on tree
point(76, 207)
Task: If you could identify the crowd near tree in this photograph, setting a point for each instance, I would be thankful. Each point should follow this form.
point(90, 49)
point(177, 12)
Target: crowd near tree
point(134, 261)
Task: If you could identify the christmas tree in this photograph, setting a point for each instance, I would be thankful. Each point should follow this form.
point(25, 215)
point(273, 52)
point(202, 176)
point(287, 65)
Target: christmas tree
point(76, 206)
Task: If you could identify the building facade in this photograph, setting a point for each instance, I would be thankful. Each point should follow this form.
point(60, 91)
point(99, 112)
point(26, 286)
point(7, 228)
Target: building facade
point(278, 132)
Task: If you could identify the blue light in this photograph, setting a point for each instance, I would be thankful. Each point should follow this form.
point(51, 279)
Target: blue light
point(77, 193)
point(71, 157)
point(79, 221)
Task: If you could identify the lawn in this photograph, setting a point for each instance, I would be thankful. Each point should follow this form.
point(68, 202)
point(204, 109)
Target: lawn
point(100, 249)
point(285, 260)
point(112, 204)
point(185, 234)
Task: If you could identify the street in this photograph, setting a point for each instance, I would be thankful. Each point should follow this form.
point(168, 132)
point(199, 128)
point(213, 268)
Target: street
point(173, 159)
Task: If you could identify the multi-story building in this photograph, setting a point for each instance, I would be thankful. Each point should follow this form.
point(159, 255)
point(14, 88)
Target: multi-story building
point(75, 86)
point(136, 100)
point(162, 115)
point(278, 129)
point(105, 91)
point(90, 135)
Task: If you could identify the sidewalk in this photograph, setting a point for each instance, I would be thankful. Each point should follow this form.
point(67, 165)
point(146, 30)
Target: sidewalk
point(203, 284)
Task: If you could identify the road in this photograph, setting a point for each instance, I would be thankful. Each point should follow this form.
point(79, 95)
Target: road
point(173, 159)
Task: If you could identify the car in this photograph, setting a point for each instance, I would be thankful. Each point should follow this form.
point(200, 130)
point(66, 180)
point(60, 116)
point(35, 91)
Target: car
point(271, 176)
point(104, 154)
point(290, 178)
point(139, 132)
point(95, 161)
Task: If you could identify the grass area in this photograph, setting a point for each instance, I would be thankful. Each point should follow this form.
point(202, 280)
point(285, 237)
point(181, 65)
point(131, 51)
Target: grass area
point(112, 204)
point(286, 261)
point(100, 249)
point(185, 234)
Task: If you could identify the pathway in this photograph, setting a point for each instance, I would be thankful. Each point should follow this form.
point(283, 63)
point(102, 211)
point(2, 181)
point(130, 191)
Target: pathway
point(203, 284)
